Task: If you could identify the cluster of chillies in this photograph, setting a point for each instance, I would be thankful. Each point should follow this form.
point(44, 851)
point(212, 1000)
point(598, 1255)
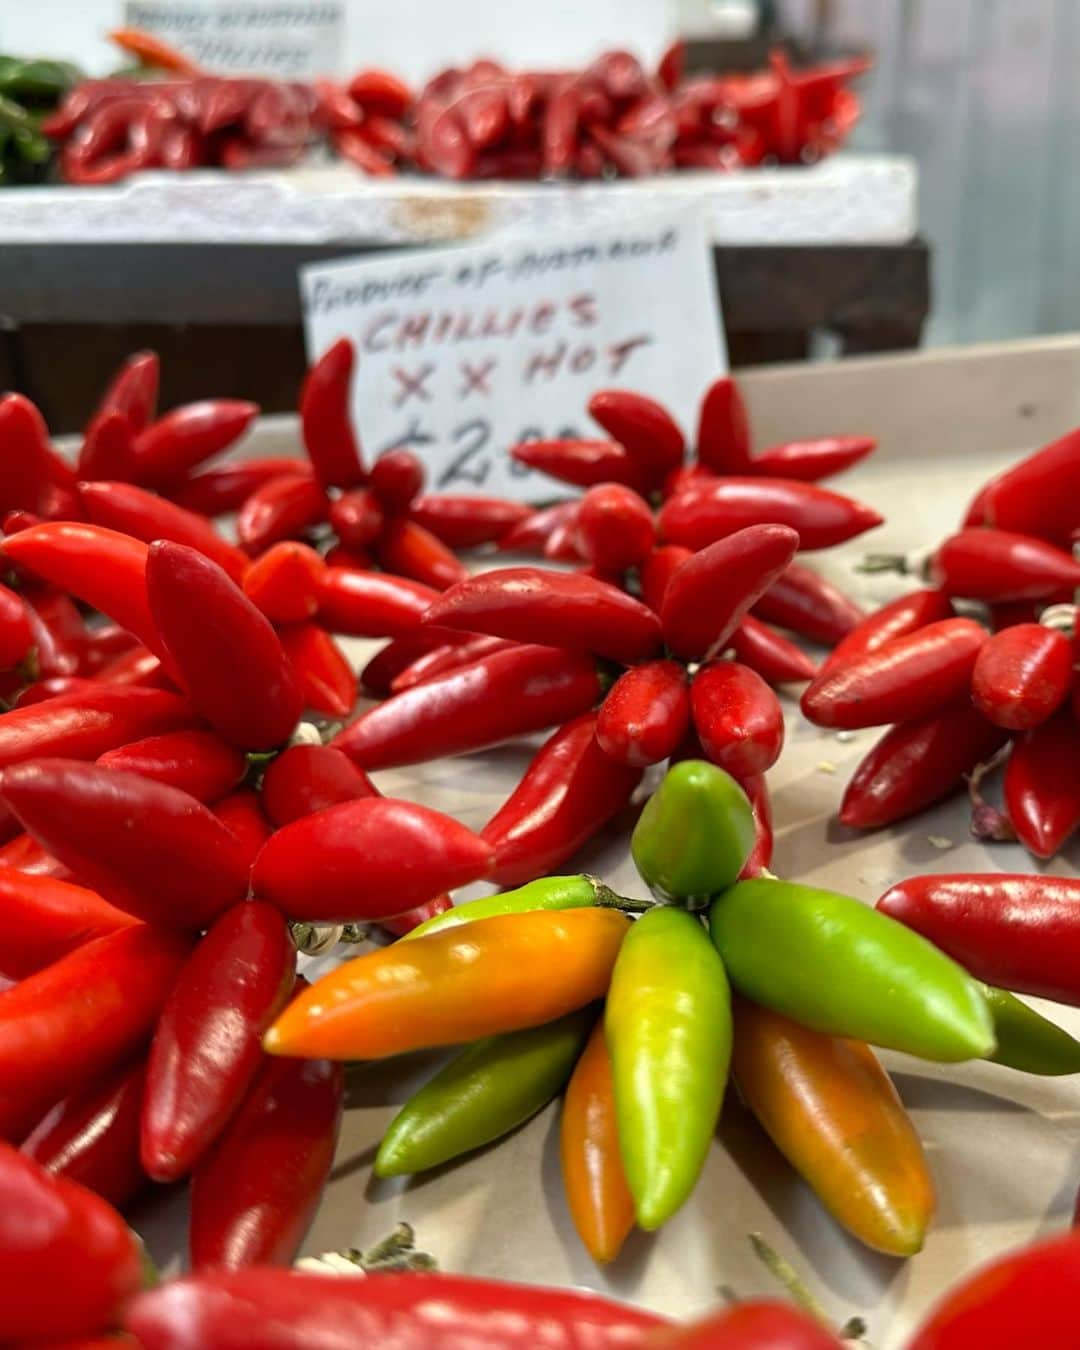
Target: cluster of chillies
point(964, 693)
point(611, 118)
point(156, 1027)
point(639, 1022)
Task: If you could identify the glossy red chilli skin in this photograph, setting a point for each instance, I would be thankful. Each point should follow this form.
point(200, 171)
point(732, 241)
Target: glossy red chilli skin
point(1023, 675)
point(737, 717)
point(645, 714)
point(908, 678)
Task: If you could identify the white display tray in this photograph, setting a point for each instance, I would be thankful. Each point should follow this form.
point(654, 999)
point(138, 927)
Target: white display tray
point(1004, 1148)
point(846, 199)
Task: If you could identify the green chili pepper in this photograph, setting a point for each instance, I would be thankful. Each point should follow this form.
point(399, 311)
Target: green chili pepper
point(695, 833)
point(488, 1090)
point(577, 892)
point(36, 81)
point(668, 1028)
point(838, 966)
point(1028, 1041)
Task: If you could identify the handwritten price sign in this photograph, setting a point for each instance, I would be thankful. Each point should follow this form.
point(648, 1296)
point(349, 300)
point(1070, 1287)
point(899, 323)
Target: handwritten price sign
point(463, 352)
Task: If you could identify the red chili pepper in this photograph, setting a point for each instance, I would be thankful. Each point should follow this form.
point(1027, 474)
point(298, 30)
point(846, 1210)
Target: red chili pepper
point(357, 518)
point(561, 544)
point(217, 491)
point(369, 858)
point(41, 691)
point(723, 434)
point(615, 528)
point(582, 463)
point(16, 636)
point(440, 660)
point(738, 718)
point(397, 478)
point(1039, 495)
point(92, 1137)
point(137, 667)
point(85, 725)
point(895, 620)
point(409, 550)
point(1019, 931)
point(810, 461)
point(908, 678)
point(352, 143)
point(645, 714)
point(657, 570)
point(757, 1324)
point(133, 390)
point(378, 91)
point(197, 762)
point(671, 66)
point(71, 1258)
point(707, 511)
point(916, 764)
point(325, 419)
point(306, 778)
point(509, 693)
point(31, 468)
point(756, 788)
point(102, 567)
point(254, 1196)
point(643, 426)
point(102, 644)
point(280, 509)
point(357, 559)
point(442, 143)
point(559, 129)
point(181, 867)
point(27, 856)
point(75, 1020)
point(560, 609)
point(806, 603)
point(530, 535)
point(107, 448)
point(1022, 676)
point(174, 444)
point(369, 604)
point(1022, 1298)
point(321, 668)
point(284, 582)
point(232, 661)
point(709, 594)
point(377, 677)
point(774, 657)
point(146, 516)
point(415, 1309)
point(58, 631)
point(208, 1045)
point(43, 919)
point(241, 813)
point(467, 522)
point(993, 565)
point(1042, 785)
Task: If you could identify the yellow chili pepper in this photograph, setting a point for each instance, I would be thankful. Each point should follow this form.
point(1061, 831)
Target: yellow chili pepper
point(597, 1195)
point(833, 1112)
point(499, 974)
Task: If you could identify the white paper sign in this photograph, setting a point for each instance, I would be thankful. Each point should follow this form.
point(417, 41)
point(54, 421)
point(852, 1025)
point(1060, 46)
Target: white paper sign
point(463, 352)
point(287, 39)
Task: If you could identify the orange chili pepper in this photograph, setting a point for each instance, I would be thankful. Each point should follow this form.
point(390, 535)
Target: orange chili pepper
point(455, 985)
point(599, 1199)
point(151, 51)
point(833, 1112)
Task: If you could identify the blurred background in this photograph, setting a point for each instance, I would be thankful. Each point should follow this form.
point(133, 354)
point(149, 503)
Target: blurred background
point(978, 97)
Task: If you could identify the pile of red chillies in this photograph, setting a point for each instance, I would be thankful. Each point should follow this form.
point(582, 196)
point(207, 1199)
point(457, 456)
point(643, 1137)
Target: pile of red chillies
point(53, 1229)
point(612, 118)
point(977, 669)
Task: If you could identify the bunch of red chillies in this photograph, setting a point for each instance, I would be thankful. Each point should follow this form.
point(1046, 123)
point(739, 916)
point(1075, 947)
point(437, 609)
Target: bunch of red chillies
point(612, 118)
point(646, 631)
point(57, 1234)
point(109, 129)
point(966, 691)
